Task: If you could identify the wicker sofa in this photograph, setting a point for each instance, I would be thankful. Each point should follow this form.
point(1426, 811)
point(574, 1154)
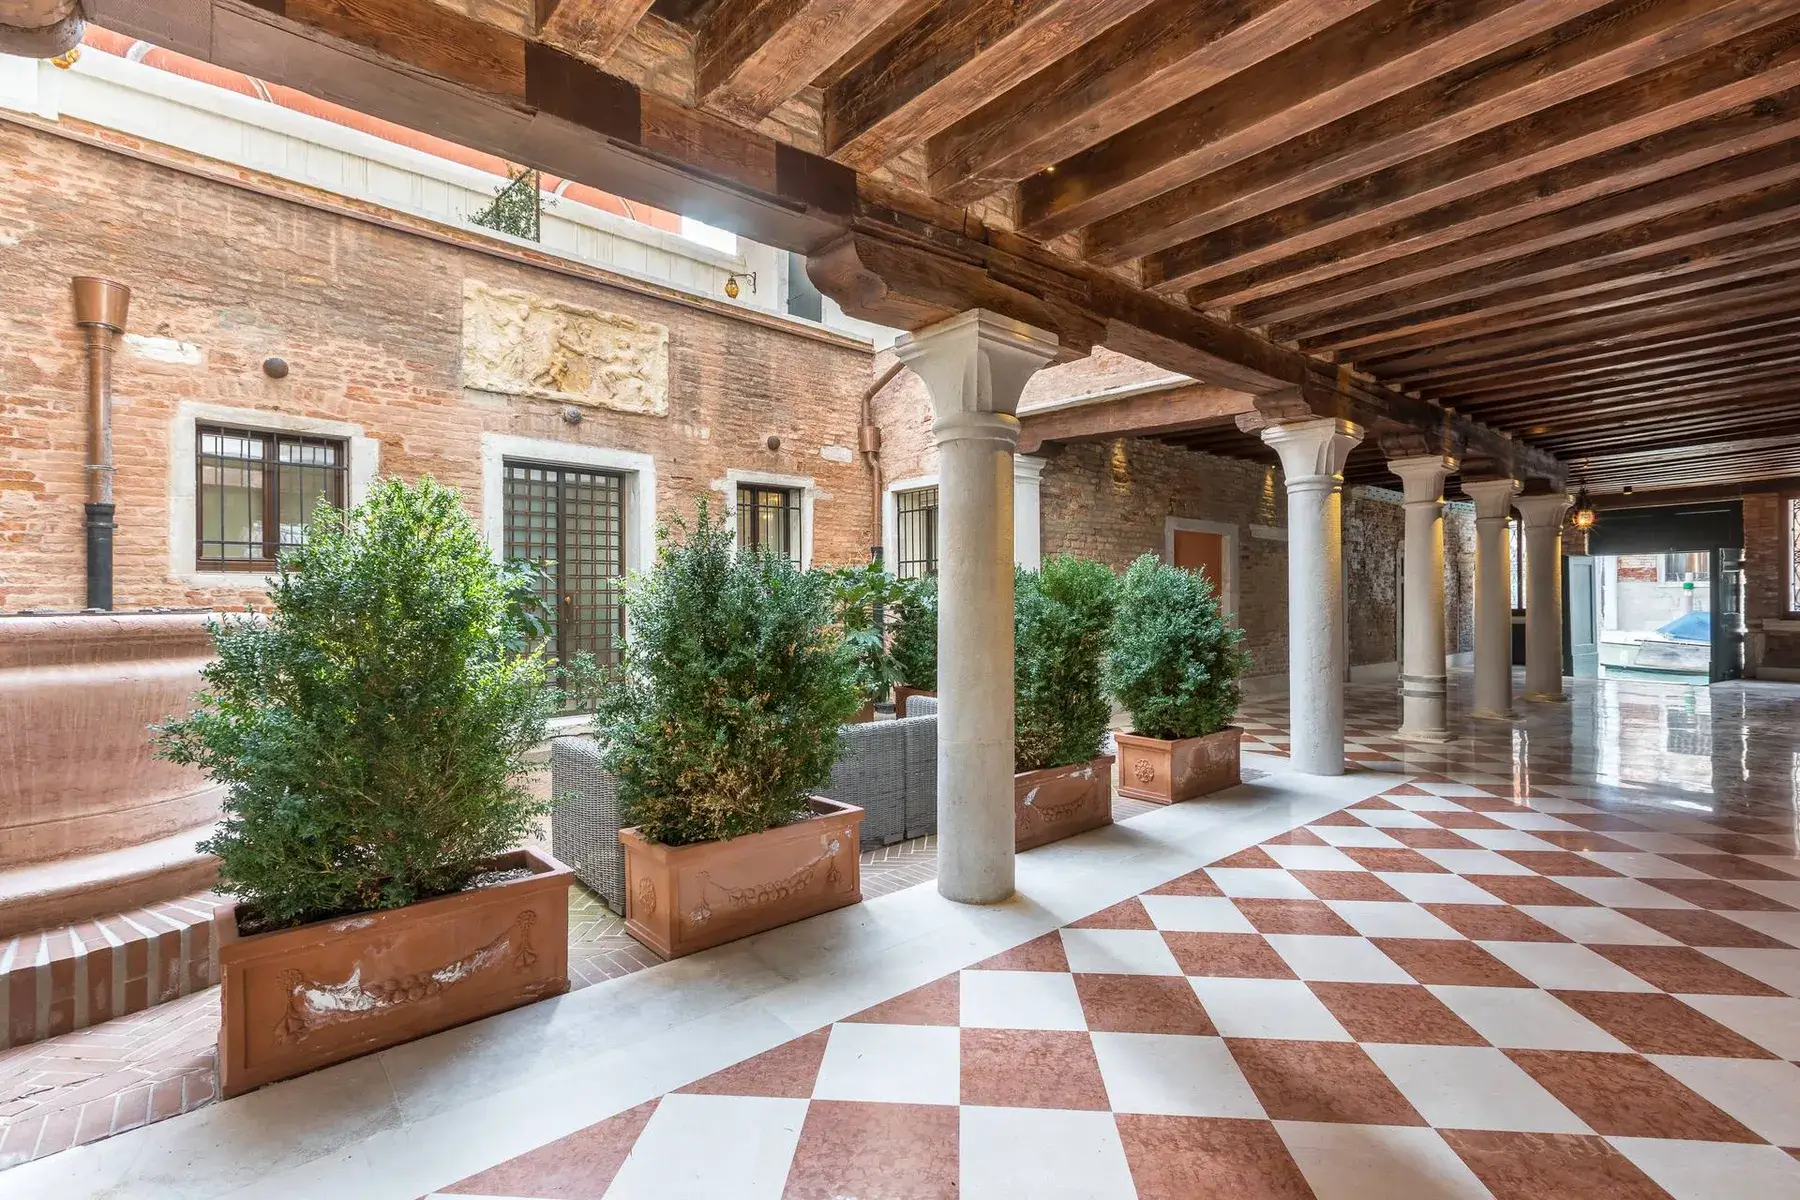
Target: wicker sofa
point(889, 769)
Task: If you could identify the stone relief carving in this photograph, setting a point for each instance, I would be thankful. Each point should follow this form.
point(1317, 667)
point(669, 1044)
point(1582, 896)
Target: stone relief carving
point(518, 344)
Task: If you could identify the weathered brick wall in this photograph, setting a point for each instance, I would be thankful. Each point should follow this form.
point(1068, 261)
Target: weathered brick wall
point(1765, 582)
point(369, 319)
point(1374, 532)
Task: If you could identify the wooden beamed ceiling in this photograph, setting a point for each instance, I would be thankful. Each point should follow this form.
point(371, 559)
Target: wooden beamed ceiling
point(1517, 228)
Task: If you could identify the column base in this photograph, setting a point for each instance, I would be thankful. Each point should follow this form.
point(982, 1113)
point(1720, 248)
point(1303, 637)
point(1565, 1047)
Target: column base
point(1547, 697)
point(1484, 714)
point(1435, 736)
point(974, 897)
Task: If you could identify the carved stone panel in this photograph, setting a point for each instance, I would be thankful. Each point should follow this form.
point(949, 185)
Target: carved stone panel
point(518, 344)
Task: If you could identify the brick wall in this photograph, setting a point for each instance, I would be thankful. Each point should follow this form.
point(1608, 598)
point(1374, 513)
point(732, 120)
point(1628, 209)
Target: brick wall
point(1765, 583)
point(369, 319)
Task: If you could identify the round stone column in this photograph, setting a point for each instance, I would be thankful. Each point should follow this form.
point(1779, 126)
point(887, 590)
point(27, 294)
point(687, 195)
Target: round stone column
point(1493, 596)
point(1543, 516)
point(1312, 460)
point(975, 366)
point(1424, 710)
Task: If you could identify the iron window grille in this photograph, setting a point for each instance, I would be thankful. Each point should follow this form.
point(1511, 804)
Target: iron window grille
point(255, 492)
point(768, 519)
point(916, 533)
point(571, 521)
point(1516, 542)
point(1793, 558)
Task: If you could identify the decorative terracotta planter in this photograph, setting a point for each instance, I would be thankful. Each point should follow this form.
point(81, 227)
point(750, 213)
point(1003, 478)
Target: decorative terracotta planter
point(1166, 772)
point(295, 1000)
point(903, 693)
point(1060, 802)
point(682, 899)
point(865, 714)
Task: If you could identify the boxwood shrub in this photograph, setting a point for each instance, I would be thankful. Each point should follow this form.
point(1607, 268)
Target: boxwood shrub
point(1175, 659)
point(1062, 615)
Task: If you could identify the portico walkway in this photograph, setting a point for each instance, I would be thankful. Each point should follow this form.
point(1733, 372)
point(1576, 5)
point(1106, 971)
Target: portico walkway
point(1561, 954)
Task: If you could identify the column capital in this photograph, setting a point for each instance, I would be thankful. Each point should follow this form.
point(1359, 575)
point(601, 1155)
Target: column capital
point(1423, 476)
point(1315, 449)
point(1493, 497)
point(1544, 510)
point(976, 362)
point(1029, 467)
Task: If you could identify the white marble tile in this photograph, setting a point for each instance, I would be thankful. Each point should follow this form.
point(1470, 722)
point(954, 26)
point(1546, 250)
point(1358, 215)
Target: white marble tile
point(1596, 926)
point(1617, 892)
point(1565, 966)
point(1006, 1153)
point(1336, 959)
point(1379, 1162)
point(1020, 1000)
point(1762, 1094)
point(1258, 883)
point(1473, 1087)
point(1196, 914)
point(704, 1147)
point(1772, 1022)
point(1391, 919)
point(1777, 968)
point(1431, 887)
point(1266, 1008)
point(1173, 1076)
point(1353, 835)
point(1525, 1019)
point(1476, 862)
point(1714, 1170)
point(1312, 858)
point(891, 1064)
point(1505, 839)
point(1642, 865)
point(1118, 952)
point(1782, 925)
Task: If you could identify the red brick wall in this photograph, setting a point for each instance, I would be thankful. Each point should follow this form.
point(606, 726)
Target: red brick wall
point(1765, 583)
point(369, 319)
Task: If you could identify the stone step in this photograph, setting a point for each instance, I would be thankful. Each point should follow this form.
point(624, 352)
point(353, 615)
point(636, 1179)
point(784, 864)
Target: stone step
point(63, 891)
point(54, 981)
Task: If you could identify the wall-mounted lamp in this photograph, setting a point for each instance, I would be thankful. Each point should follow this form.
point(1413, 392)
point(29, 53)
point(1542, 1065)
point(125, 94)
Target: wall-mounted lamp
point(731, 283)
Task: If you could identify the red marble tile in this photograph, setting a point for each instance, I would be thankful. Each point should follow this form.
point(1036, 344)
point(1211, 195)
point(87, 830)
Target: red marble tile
point(1380, 802)
point(1696, 927)
point(789, 1070)
point(1730, 866)
point(1347, 885)
point(1126, 914)
point(1493, 923)
point(1039, 954)
point(1254, 858)
point(1406, 789)
point(1293, 916)
point(1450, 963)
point(1340, 819)
point(1395, 1012)
point(1228, 955)
point(1194, 883)
point(1583, 841)
point(1653, 1023)
point(1452, 819)
point(578, 1167)
point(1297, 837)
point(1740, 843)
point(1320, 1081)
point(1431, 839)
point(875, 1152)
point(1031, 1068)
point(1550, 1166)
point(1209, 1158)
point(1718, 895)
point(1604, 821)
point(1684, 970)
point(1392, 858)
point(1557, 862)
point(1626, 1095)
point(1142, 1004)
point(1531, 889)
point(937, 1003)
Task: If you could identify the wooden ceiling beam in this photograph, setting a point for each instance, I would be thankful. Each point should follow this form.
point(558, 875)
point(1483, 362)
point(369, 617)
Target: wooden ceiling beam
point(1665, 196)
point(751, 56)
point(592, 29)
point(1551, 419)
point(1377, 53)
point(1133, 71)
point(1747, 69)
point(1150, 414)
point(955, 58)
point(1676, 437)
point(1781, 355)
point(1591, 51)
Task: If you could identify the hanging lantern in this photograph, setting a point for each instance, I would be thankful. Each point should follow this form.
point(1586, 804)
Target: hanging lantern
point(1583, 515)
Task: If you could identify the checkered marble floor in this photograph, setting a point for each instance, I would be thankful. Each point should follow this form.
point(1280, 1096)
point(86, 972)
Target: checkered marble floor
point(1466, 986)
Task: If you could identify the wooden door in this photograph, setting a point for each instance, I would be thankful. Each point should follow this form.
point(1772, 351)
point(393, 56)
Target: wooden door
point(1203, 552)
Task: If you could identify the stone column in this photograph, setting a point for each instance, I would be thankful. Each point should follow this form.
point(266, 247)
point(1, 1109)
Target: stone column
point(1493, 596)
point(1312, 459)
point(1028, 527)
point(1543, 593)
point(1424, 712)
point(974, 366)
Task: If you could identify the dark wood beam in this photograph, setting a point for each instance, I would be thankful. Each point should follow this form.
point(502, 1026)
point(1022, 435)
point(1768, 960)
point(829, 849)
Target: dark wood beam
point(1595, 51)
point(1148, 414)
point(1747, 69)
point(1665, 497)
point(1133, 71)
point(1776, 352)
point(1674, 436)
point(1550, 421)
point(959, 55)
point(752, 55)
point(1377, 53)
point(592, 29)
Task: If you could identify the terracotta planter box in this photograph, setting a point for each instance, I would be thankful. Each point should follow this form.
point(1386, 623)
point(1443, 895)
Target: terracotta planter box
point(1166, 772)
point(1060, 802)
point(903, 693)
point(865, 714)
point(295, 1000)
point(682, 899)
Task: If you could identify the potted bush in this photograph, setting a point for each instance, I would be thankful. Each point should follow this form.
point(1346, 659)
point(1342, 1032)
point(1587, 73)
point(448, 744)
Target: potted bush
point(863, 600)
point(914, 642)
point(723, 723)
point(1062, 615)
point(1174, 665)
point(371, 733)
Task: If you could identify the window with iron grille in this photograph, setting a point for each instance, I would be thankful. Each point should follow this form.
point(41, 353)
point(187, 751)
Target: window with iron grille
point(916, 533)
point(768, 518)
point(1516, 542)
point(255, 492)
point(572, 521)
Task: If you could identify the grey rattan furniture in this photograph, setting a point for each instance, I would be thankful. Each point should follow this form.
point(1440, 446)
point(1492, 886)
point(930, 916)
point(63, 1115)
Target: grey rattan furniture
point(922, 706)
point(584, 825)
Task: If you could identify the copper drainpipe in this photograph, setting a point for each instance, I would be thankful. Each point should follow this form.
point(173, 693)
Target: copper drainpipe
point(868, 440)
point(100, 308)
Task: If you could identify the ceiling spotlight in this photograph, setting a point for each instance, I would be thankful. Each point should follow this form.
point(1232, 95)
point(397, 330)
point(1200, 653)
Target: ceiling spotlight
point(1627, 489)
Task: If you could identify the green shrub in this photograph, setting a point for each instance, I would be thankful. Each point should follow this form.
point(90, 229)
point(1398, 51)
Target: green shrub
point(1061, 619)
point(915, 634)
point(372, 730)
point(726, 715)
point(1175, 659)
point(862, 604)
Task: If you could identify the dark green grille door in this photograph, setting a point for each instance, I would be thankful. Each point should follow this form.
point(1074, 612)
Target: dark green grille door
point(574, 522)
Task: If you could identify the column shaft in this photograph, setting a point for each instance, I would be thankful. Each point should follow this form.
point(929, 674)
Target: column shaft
point(1493, 596)
point(1543, 594)
point(1424, 710)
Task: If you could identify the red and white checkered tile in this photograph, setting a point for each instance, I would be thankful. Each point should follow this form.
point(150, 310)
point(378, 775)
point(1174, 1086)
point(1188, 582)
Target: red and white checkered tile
point(1444, 991)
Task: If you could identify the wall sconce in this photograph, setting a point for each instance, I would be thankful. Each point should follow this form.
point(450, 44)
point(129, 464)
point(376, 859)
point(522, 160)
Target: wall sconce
point(731, 283)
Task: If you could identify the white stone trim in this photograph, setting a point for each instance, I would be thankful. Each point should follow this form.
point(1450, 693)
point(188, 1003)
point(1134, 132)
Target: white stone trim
point(1269, 533)
point(1228, 586)
point(804, 484)
point(365, 461)
point(638, 469)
